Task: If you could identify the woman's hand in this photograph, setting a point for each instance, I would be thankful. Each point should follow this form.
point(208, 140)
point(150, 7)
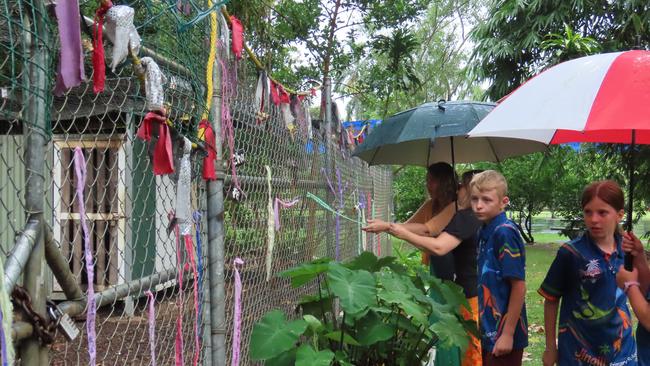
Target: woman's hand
point(632, 244)
point(398, 231)
point(625, 276)
point(376, 226)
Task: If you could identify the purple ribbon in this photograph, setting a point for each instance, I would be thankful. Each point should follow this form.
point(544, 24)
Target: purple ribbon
point(3, 339)
point(152, 325)
point(276, 209)
point(71, 60)
point(236, 337)
point(80, 172)
point(341, 204)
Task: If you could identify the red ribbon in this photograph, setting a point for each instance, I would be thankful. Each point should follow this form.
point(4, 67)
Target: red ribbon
point(275, 97)
point(285, 98)
point(210, 145)
point(163, 159)
point(237, 36)
point(99, 66)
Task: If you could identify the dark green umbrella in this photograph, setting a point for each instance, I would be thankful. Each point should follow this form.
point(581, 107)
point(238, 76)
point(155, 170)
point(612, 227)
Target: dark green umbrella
point(435, 132)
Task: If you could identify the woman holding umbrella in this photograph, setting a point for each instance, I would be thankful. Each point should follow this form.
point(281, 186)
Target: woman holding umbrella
point(432, 216)
point(459, 238)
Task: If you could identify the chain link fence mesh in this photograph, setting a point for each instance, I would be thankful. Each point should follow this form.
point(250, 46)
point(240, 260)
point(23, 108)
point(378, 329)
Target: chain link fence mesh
point(129, 210)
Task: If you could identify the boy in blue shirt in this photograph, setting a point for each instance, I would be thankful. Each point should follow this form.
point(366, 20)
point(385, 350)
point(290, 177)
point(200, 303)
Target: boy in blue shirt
point(501, 266)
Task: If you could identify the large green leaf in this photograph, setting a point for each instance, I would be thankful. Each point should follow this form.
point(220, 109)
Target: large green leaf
point(284, 359)
point(314, 305)
point(356, 290)
point(393, 282)
point(451, 332)
point(306, 272)
point(314, 324)
point(403, 301)
point(371, 329)
point(369, 262)
point(307, 356)
point(272, 335)
point(347, 339)
point(342, 358)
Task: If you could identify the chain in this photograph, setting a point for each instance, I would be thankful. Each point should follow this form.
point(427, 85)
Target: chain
point(44, 329)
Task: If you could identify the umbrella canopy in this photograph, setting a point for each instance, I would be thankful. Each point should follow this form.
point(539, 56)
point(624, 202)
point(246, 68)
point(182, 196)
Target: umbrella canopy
point(602, 98)
point(425, 134)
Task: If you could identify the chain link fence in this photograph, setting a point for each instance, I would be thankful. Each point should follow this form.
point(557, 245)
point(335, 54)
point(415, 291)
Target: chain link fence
point(130, 212)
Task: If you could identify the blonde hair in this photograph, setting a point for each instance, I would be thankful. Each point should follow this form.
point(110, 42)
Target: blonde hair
point(490, 179)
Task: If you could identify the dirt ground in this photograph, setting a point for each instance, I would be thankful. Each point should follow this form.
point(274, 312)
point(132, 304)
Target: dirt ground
point(123, 340)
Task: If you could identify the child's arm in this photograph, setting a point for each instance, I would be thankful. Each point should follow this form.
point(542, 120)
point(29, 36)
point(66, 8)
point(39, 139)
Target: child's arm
point(440, 245)
point(640, 305)
point(503, 345)
point(550, 321)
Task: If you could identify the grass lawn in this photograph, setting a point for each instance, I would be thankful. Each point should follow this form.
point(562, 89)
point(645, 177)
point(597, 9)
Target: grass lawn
point(538, 260)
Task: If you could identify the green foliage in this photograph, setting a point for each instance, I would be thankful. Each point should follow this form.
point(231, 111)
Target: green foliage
point(407, 256)
point(569, 45)
point(509, 47)
point(409, 187)
point(435, 57)
point(383, 317)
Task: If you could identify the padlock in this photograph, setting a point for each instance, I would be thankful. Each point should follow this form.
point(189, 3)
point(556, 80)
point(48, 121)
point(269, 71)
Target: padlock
point(64, 323)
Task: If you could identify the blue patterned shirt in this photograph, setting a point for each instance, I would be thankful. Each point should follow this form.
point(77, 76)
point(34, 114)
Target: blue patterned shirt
point(501, 257)
point(595, 326)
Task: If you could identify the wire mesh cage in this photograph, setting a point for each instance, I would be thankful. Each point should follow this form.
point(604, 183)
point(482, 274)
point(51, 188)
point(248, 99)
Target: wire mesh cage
point(137, 240)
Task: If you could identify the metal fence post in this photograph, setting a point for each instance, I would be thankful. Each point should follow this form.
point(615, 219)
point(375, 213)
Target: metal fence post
point(34, 130)
point(216, 240)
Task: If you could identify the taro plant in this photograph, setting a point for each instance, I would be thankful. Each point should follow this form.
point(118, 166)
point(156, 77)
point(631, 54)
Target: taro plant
point(368, 311)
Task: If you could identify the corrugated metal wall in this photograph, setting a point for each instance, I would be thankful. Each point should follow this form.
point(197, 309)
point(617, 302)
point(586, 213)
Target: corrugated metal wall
point(12, 190)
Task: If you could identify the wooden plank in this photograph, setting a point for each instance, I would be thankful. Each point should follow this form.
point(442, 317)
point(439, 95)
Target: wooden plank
point(89, 186)
point(100, 225)
point(77, 249)
point(65, 239)
point(100, 254)
point(113, 181)
point(66, 182)
point(88, 144)
point(113, 268)
point(90, 216)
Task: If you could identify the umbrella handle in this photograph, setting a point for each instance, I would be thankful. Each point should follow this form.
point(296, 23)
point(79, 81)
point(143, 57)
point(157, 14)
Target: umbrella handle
point(629, 265)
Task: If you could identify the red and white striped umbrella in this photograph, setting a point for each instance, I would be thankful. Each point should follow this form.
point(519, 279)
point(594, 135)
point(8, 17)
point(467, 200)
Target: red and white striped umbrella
point(602, 98)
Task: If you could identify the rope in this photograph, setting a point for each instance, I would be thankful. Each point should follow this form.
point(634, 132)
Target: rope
point(329, 208)
point(211, 59)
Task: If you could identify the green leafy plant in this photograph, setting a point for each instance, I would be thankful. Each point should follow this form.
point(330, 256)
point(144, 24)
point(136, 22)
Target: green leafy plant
point(368, 311)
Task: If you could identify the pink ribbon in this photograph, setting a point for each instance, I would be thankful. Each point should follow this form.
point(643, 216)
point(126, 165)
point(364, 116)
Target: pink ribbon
point(189, 250)
point(236, 337)
point(178, 343)
point(80, 172)
point(276, 208)
point(152, 325)
point(227, 130)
